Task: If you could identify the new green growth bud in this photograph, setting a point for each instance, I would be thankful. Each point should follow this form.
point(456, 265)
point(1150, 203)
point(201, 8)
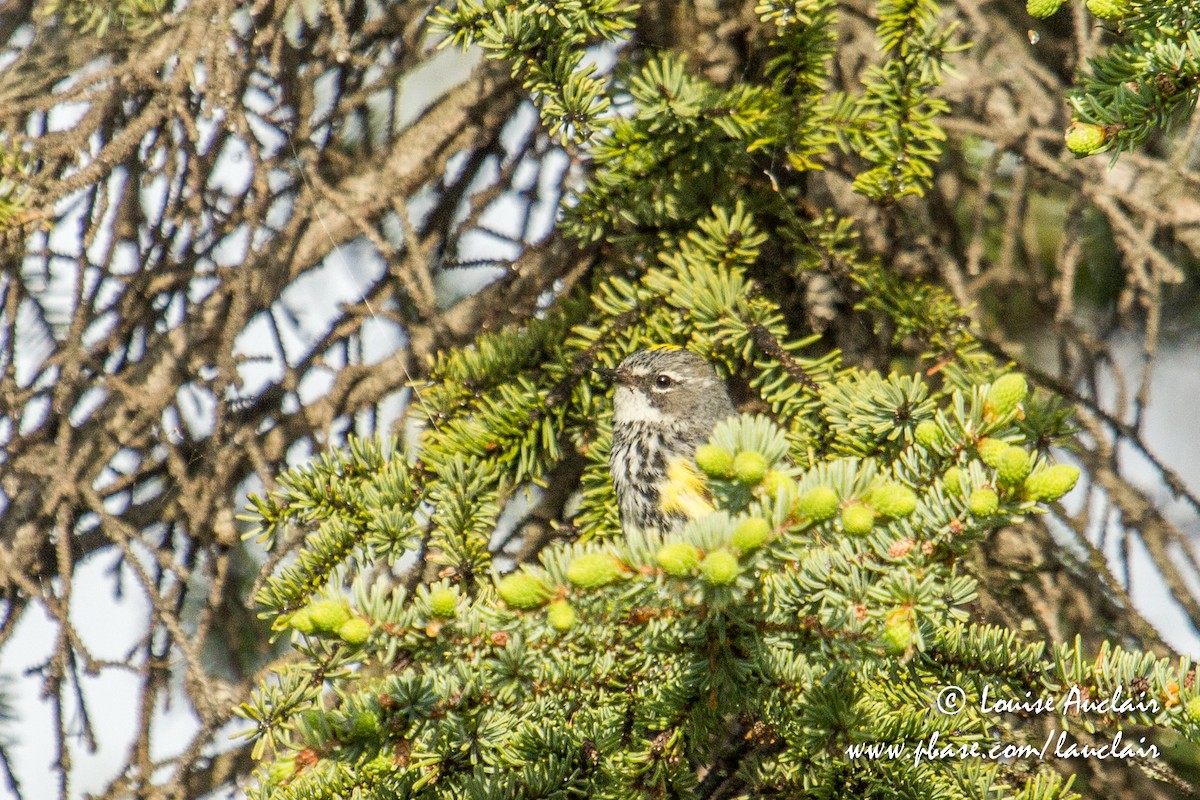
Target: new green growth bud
point(364, 726)
point(1110, 10)
point(1050, 484)
point(523, 591)
point(893, 500)
point(561, 615)
point(302, 621)
point(750, 534)
point(443, 602)
point(983, 502)
point(593, 570)
point(955, 481)
point(899, 632)
point(1040, 9)
point(355, 631)
point(819, 504)
point(1006, 393)
point(715, 461)
point(1014, 465)
point(1084, 139)
point(990, 451)
point(328, 615)
point(858, 519)
point(1193, 708)
point(720, 568)
point(776, 483)
point(927, 434)
point(750, 467)
point(678, 559)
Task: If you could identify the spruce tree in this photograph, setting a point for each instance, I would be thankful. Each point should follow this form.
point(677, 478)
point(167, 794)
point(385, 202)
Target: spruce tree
point(824, 605)
point(177, 177)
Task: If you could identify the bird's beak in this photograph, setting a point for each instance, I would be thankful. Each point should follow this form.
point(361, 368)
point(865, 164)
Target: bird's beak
point(617, 376)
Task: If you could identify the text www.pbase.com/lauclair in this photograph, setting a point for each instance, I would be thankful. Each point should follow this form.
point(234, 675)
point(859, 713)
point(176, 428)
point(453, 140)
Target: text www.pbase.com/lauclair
point(952, 700)
point(1058, 744)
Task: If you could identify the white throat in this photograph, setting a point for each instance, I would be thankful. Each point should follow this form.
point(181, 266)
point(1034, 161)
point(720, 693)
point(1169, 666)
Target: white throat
point(633, 406)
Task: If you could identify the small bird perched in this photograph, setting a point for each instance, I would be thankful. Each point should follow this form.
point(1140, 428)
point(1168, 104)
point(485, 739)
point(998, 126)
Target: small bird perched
point(666, 403)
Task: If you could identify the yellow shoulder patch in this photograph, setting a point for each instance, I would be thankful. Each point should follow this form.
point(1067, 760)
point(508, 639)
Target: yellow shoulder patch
point(684, 492)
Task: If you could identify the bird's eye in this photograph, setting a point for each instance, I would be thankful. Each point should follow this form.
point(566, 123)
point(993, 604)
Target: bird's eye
point(663, 381)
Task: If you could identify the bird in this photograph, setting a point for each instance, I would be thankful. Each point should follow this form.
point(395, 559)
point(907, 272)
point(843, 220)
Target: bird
point(666, 402)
